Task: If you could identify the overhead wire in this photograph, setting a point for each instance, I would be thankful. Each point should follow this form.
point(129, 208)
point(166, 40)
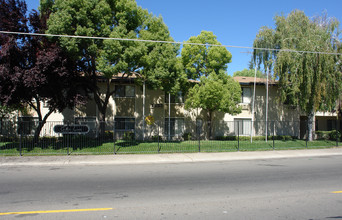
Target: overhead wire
point(168, 42)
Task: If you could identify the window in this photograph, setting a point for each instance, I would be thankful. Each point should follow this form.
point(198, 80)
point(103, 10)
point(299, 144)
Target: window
point(178, 98)
point(27, 125)
point(176, 126)
point(246, 95)
point(124, 91)
point(331, 125)
point(124, 124)
point(242, 126)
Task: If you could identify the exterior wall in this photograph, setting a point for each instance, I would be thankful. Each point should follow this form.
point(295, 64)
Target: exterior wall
point(282, 119)
point(277, 112)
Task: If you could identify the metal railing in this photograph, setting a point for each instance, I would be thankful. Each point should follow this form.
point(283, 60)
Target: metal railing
point(131, 136)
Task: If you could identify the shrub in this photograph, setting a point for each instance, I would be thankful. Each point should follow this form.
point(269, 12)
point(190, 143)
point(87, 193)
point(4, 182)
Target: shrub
point(334, 135)
point(328, 135)
point(128, 136)
point(156, 138)
point(108, 134)
point(255, 138)
point(187, 136)
point(226, 138)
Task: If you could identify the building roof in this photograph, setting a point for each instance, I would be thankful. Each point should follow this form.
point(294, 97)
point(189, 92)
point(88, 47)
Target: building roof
point(244, 80)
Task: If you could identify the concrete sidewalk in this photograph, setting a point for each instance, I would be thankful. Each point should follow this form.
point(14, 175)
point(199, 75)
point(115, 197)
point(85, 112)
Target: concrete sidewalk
point(161, 158)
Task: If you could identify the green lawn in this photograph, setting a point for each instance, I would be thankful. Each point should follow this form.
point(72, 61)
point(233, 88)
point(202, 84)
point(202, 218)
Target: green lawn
point(91, 146)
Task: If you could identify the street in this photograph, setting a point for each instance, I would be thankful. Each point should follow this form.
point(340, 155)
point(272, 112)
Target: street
point(296, 188)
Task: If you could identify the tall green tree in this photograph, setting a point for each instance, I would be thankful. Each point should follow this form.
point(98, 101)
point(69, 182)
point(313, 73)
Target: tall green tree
point(265, 39)
point(156, 64)
point(217, 92)
point(202, 60)
point(307, 80)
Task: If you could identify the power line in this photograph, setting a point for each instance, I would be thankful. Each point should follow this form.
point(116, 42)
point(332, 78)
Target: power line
point(168, 42)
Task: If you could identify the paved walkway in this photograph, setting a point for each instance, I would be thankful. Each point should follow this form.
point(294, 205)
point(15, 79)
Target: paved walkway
point(161, 158)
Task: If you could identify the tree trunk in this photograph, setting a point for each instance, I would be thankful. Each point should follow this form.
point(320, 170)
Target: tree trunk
point(209, 125)
point(102, 105)
point(102, 116)
point(37, 131)
point(41, 124)
point(310, 127)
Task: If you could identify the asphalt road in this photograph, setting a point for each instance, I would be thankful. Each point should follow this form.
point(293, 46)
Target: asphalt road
point(297, 188)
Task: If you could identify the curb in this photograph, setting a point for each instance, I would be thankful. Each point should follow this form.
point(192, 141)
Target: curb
point(162, 158)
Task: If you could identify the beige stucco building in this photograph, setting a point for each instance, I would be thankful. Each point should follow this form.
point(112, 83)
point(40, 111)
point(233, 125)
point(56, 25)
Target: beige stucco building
point(129, 106)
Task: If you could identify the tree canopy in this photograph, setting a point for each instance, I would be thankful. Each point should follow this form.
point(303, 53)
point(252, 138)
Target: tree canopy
point(307, 80)
point(32, 69)
point(215, 93)
point(200, 60)
point(156, 64)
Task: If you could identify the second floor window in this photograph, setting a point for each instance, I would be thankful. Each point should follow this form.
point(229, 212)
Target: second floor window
point(124, 91)
point(178, 98)
point(246, 95)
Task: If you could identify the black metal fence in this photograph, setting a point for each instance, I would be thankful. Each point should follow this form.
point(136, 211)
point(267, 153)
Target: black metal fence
point(172, 135)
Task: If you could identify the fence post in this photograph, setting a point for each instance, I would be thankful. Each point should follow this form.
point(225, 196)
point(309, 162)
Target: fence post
point(20, 141)
point(67, 138)
point(337, 133)
point(199, 136)
point(158, 137)
point(307, 136)
point(273, 133)
point(114, 136)
point(238, 122)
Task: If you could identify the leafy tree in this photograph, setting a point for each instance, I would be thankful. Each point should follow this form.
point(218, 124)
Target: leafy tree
point(265, 39)
point(216, 90)
point(200, 60)
point(154, 63)
point(33, 70)
point(308, 80)
point(6, 111)
point(249, 73)
point(215, 93)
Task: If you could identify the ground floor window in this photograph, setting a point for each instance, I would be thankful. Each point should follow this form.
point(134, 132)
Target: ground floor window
point(242, 126)
point(331, 124)
point(27, 125)
point(124, 124)
point(176, 126)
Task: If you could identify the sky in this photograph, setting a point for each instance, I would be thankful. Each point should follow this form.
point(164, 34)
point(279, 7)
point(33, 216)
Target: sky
point(234, 22)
